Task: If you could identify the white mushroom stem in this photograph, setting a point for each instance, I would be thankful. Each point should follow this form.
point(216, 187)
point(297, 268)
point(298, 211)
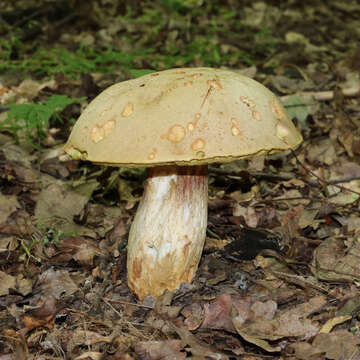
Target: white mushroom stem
point(168, 233)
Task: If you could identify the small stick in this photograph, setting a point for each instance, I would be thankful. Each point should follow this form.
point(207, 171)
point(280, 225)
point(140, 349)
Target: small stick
point(325, 95)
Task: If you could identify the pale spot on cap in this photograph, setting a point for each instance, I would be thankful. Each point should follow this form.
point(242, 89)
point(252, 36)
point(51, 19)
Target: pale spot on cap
point(198, 144)
point(197, 116)
point(282, 131)
point(105, 111)
point(97, 134)
point(191, 126)
point(196, 75)
point(215, 84)
point(256, 115)
point(235, 131)
point(277, 109)
point(248, 102)
point(175, 134)
point(128, 109)
point(100, 132)
point(151, 156)
point(108, 127)
point(200, 154)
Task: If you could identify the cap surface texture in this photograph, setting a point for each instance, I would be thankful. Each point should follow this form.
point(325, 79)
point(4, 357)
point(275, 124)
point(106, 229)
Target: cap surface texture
point(185, 116)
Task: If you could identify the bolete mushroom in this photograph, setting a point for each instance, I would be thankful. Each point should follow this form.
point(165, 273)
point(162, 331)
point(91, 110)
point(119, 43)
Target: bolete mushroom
point(176, 122)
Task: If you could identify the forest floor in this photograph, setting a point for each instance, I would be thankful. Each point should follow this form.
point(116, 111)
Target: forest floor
point(280, 273)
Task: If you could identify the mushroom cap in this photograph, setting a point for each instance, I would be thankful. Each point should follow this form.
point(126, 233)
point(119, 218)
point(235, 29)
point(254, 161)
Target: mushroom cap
point(185, 116)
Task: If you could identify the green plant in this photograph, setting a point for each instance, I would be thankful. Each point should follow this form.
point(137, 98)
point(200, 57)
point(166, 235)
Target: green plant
point(33, 118)
point(59, 60)
point(43, 236)
point(7, 47)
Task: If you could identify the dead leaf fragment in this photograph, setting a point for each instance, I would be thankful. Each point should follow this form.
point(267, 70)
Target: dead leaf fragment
point(290, 323)
point(340, 344)
point(9, 204)
point(78, 248)
point(43, 315)
point(160, 350)
point(334, 262)
point(6, 282)
point(56, 283)
point(329, 325)
point(198, 348)
point(58, 204)
point(217, 314)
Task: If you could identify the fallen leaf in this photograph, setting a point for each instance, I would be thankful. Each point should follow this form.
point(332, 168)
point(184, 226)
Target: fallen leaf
point(78, 248)
point(197, 347)
point(332, 261)
point(93, 355)
point(331, 323)
point(58, 204)
point(193, 314)
point(217, 314)
point(340, 344)
point(43, 315)
point(56, 283)
point(6, 282)
point(160, 350)
point(278, 325)
point(9, 204)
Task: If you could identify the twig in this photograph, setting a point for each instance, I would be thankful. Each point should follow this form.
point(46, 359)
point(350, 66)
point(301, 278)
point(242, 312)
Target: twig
point(298, 280)
point(325, 95)
point(327, 182)
point(130, 303)
point(256, 174)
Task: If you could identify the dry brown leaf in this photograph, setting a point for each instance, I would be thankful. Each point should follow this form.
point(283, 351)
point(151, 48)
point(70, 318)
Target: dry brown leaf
point(307, 218)
point(58, 204)
point(340, 344)
point(248, 213)
point(24, 286)
point(15, 154)
point(197, 347)
point(322, 151)
point(258, 341)
point(93, 355)
point(217, 314)
point(56, 283)
point(78, 248)
point(193, 314)
point(284, 325)
point(160, 350)
point(6, 282)
point(334, 262)
point(331, 323)
point(43, 315)
point(290, 323)
point(9, 204)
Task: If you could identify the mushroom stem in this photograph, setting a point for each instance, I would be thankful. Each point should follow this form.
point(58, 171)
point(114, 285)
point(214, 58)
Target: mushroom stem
point(168, 233)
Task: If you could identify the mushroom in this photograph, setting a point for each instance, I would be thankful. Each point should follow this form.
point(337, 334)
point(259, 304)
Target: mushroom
point(176, 122)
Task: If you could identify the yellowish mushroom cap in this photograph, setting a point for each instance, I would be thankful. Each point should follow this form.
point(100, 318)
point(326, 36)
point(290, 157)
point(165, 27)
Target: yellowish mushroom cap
point(188, 116)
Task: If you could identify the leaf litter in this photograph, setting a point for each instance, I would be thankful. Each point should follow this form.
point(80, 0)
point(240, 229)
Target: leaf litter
point(63, 224)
